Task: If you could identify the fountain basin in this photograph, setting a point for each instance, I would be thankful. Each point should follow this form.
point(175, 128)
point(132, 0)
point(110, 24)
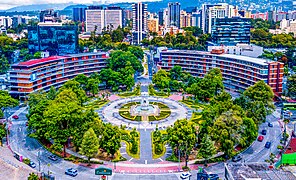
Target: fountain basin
point(150, 109)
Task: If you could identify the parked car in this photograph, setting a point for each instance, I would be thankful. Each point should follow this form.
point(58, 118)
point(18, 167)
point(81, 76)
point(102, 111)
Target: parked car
point(270, 124)
point(260, 138)
point(53, 157)
point(15, 117)
point(71, 172)
point(237, 158)
point(268, 144)
point(185, 175)
point(32, 164)
point(27, 123)
point(264, 132)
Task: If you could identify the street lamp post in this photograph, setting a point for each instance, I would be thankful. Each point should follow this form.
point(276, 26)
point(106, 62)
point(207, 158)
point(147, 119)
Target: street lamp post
point(7, 135)
point(48, 165)
point(179, 158)
point(39, 160)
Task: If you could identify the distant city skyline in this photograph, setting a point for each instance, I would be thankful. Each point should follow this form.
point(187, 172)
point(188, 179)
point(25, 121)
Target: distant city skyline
point(6, 4)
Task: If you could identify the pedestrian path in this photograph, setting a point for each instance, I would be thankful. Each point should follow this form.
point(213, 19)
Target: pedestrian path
point(145, 147)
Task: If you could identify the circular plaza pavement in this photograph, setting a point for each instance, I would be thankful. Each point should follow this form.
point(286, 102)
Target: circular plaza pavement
point(110, 113)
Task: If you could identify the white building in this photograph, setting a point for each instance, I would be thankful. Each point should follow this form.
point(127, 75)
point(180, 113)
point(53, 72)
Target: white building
point(139, 30)
point(113, 17)
point(249, 50)
point(5, 21)
point(211, 12)
point(98, 17)
point(94, 19)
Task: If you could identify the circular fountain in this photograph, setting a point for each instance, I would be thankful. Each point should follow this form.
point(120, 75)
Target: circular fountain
point(144, 109)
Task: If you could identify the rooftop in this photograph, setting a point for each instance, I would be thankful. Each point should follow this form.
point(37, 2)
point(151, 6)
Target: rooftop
point(233, 56)
point(53, 58)
point(244, 171)
point(292, 147)
point(38, 61)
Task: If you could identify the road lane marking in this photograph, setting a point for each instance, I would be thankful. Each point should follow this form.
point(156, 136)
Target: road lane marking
point(130, 159)
point(145, 161)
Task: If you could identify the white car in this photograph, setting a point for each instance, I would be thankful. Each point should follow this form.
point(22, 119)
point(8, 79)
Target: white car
point(185, 175)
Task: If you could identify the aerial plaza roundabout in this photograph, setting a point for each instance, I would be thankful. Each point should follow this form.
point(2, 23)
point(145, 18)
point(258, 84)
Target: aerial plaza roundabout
point(144, 112)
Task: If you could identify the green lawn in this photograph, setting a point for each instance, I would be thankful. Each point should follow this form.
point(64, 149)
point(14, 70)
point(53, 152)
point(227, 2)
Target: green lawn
point(192, 104)
point(154, 155)
point(126, 138)
point(135, 92)
point(97, 104)
point(124, 111)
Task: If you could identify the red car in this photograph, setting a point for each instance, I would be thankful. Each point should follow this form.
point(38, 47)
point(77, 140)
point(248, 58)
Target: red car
point(260, 138)
point(15, 117)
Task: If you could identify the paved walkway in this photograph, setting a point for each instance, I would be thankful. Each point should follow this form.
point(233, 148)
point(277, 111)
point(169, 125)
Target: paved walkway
point(145, 147)
point(110, 113)
point(10, 168)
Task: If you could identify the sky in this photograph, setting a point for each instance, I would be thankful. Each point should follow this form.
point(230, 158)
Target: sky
point(6, 4)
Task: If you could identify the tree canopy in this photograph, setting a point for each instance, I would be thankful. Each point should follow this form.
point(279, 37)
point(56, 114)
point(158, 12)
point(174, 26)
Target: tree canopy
point(59, 117)
point(90, 144)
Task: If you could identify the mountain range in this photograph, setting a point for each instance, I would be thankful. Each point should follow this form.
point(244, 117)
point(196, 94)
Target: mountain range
point(152, 7)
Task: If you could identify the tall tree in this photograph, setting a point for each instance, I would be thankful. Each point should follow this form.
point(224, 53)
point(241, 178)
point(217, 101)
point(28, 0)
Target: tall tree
point(4, 64)
point(75, 87)
point(92, 86)
point(207, 148)
point(291, 84)
point(36, 120)
point(2, 133)
point(161, 79)
point(176, 73)
point(37, 55)
point(111, 139)
point(51, 95)
point(119, 59)
point(183, 136)
point(209, 86)
point(82, 79)
point(137, 51)
point(6, 101)
point(90, 144)
point(261, 92)
point(63, 116)
point(226, 130)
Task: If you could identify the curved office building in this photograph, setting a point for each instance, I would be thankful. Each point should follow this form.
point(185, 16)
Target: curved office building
point(41, 74)
point(239, 72)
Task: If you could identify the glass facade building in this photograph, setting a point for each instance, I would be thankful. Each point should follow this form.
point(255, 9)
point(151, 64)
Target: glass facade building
point(55, 38)
point(174, 14)
point(78, 14)
point(231, 31)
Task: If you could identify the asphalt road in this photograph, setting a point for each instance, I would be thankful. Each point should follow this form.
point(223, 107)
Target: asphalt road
point(150, 65)
point(257, 152)
point(29, 147)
